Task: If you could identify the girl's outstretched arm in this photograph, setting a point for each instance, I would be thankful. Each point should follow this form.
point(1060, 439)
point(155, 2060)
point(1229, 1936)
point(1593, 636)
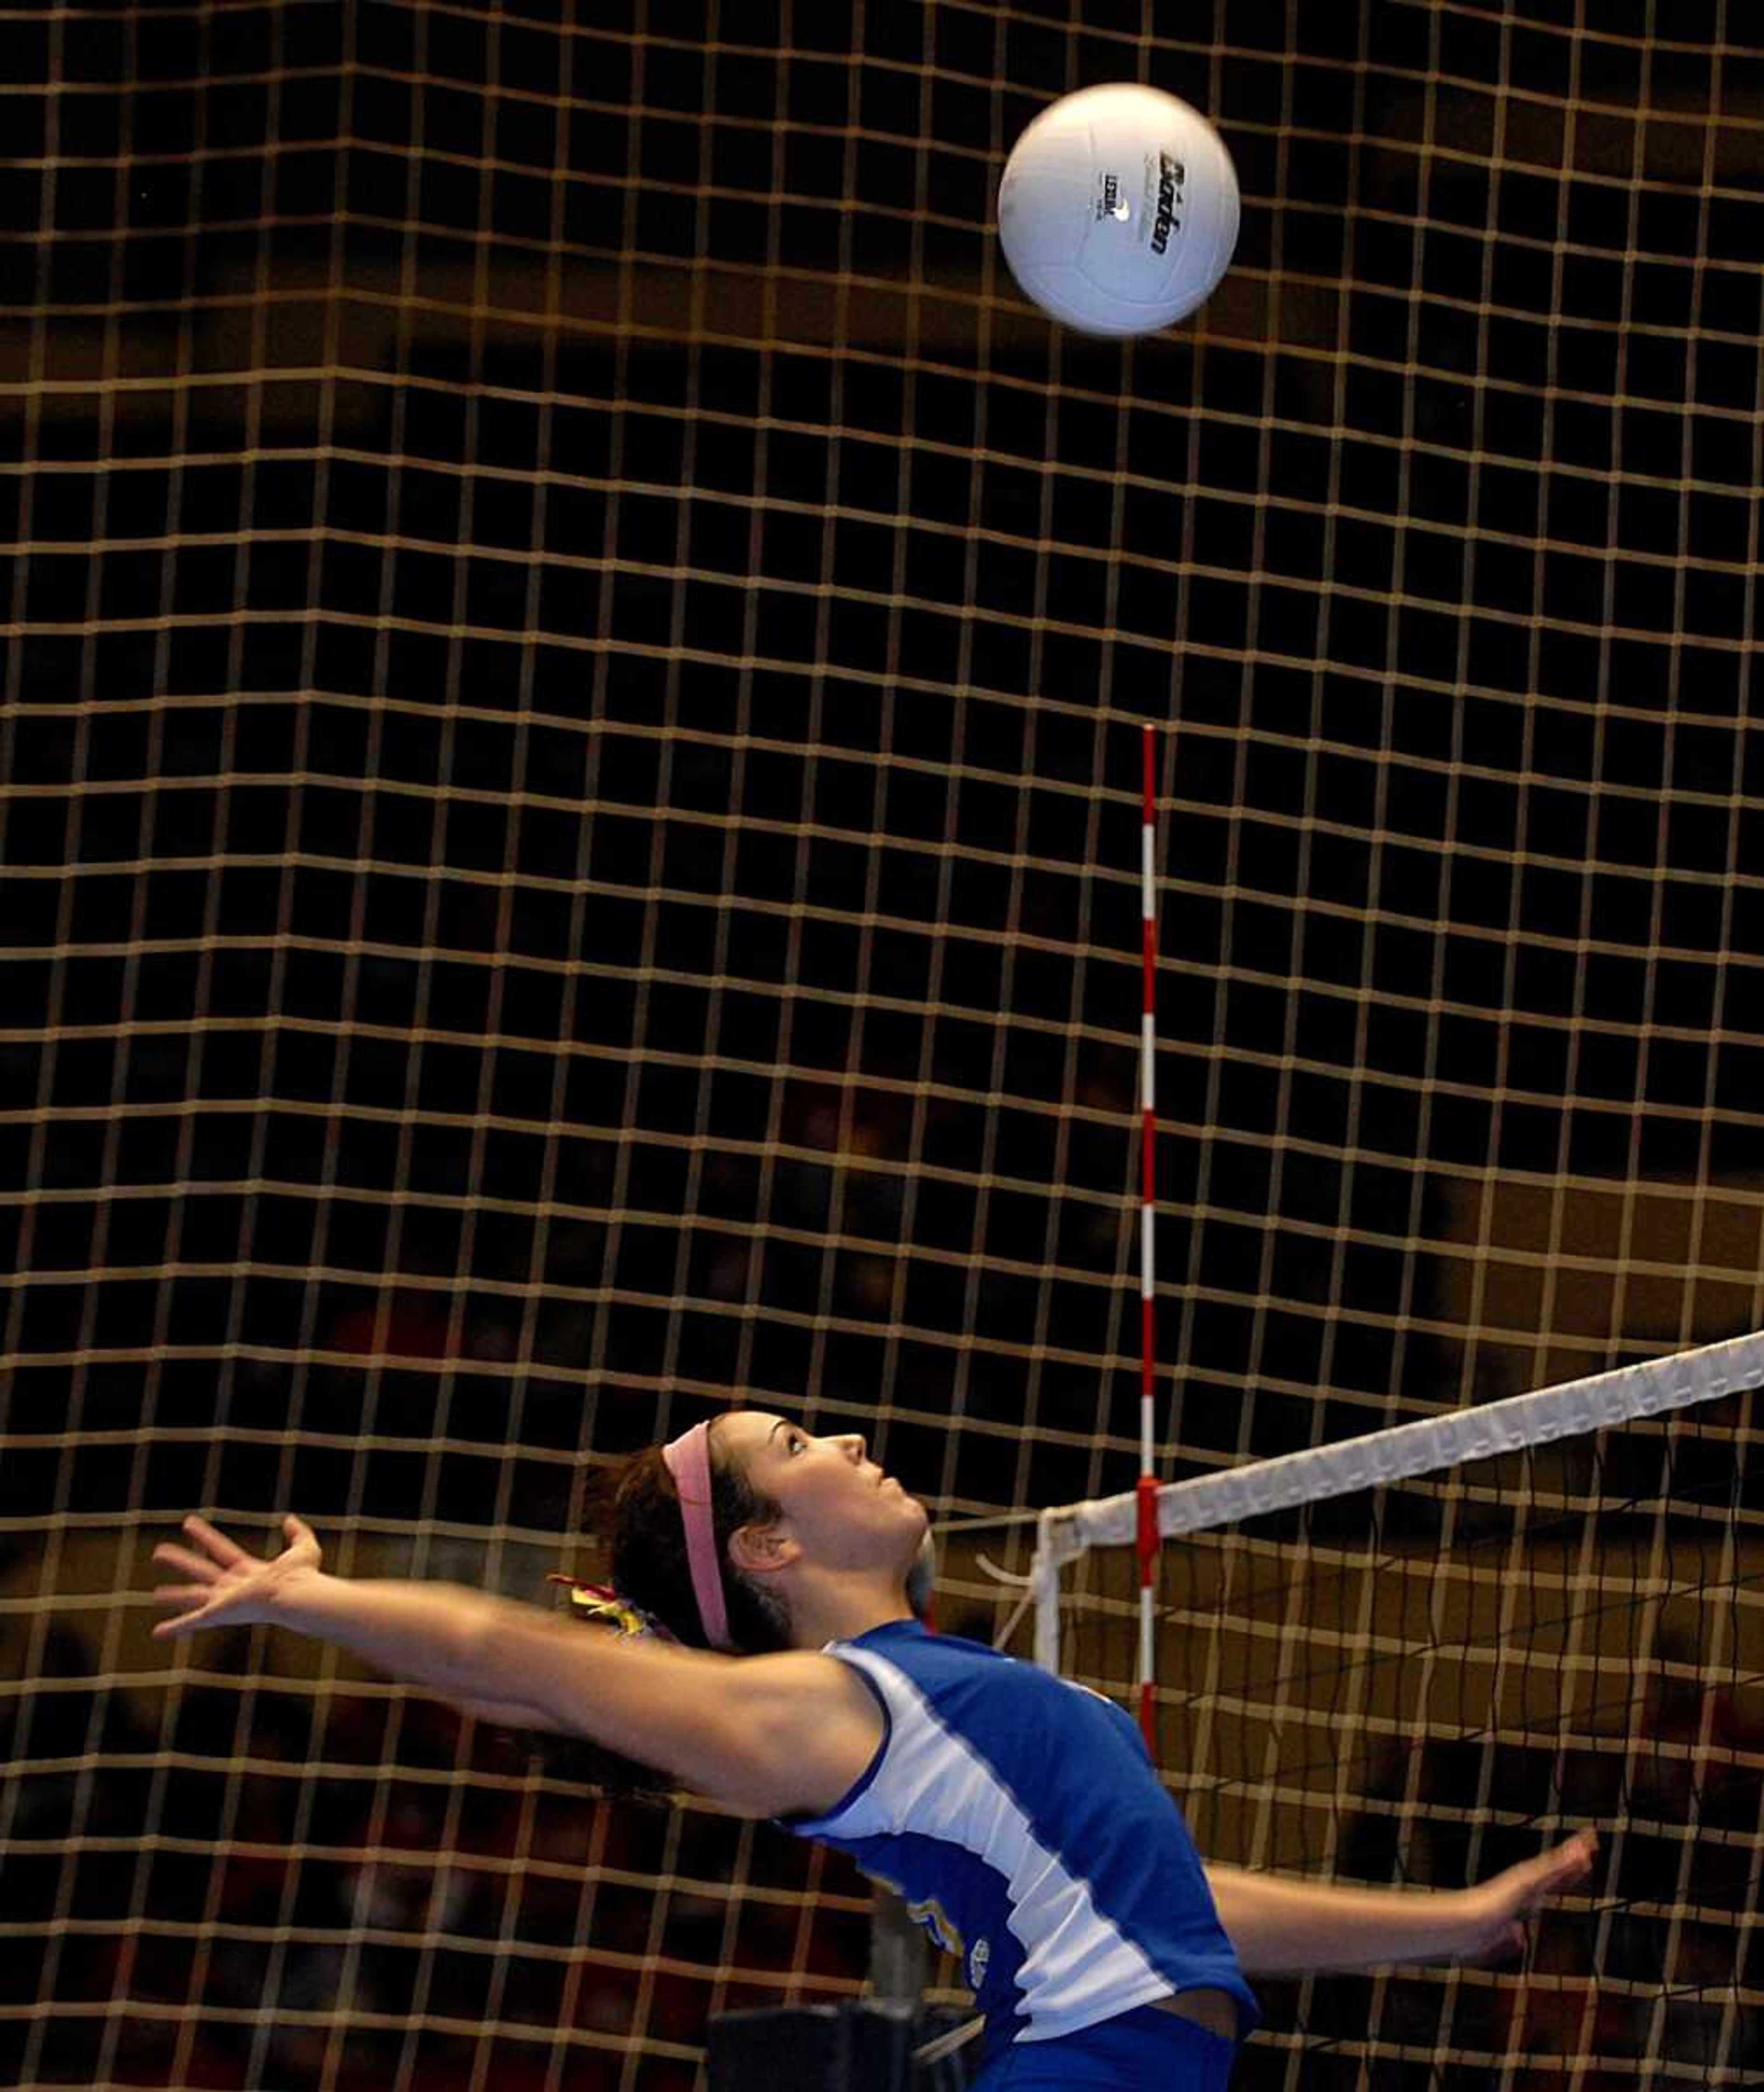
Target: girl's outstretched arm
point(776, 1735)
point(1283, 1925)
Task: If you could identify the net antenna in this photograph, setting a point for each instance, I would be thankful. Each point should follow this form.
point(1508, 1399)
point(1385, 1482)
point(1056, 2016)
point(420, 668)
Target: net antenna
point(1146, 1494)
point(1626, 1394)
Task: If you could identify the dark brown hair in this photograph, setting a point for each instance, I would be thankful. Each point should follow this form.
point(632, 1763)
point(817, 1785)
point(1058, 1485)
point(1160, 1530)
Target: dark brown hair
point(646, 1548)
point(636, 1515)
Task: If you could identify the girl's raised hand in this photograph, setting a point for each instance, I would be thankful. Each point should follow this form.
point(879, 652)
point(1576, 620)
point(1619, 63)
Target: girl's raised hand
point(226, 1587)
point(1502, 1903)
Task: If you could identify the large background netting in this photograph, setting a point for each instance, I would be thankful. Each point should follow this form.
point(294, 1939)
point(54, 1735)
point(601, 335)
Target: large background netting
point(570, 847)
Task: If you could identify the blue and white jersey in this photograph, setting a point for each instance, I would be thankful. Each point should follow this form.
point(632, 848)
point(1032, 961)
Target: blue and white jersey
point(1021, 1820)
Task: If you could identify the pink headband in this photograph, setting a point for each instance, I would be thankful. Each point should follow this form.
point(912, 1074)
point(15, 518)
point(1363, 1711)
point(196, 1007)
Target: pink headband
point(689, 1461)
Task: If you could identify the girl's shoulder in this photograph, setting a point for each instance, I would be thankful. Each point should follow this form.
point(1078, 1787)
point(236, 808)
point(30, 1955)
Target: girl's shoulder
point(815, 1728)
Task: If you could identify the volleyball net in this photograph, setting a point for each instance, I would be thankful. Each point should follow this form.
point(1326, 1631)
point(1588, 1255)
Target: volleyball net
point(570, 849)
point(1418, 1656)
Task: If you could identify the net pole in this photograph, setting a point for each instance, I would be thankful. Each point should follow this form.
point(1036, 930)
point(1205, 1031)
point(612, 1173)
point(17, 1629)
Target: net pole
point(1149, 1538)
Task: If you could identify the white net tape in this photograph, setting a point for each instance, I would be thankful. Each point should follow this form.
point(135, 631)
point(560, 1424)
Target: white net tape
point(1651, 1387)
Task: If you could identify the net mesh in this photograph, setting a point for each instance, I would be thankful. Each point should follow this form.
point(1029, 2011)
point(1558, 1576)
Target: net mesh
point(570, 843)
point(1423, 1683)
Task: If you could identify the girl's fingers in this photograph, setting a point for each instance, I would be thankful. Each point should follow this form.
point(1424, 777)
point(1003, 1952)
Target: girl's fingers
point(181, 1594)
point(223, 1574)
point(1570, 1862)
point(224, 1551)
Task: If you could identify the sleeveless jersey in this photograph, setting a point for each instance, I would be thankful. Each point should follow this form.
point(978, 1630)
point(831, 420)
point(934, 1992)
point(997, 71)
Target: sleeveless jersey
point(1021, 1820)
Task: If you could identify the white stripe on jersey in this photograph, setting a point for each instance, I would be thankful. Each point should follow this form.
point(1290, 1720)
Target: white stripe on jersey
point(1077, 1966)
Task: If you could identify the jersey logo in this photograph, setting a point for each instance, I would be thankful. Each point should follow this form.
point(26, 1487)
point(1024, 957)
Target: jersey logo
point(935, 1919)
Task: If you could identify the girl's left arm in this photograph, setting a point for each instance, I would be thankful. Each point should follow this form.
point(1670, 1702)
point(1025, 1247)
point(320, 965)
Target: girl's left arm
point(1282, 1925)
point(776, 1735)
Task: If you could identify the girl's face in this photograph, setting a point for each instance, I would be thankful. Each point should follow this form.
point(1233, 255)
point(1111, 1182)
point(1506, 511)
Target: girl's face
point(835, 1502)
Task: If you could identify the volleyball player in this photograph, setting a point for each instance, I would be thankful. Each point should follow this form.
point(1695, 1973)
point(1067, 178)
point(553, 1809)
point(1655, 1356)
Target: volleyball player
point(789, 1677)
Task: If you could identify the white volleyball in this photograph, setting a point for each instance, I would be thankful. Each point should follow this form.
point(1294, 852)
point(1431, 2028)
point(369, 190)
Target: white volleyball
point(1118, 209)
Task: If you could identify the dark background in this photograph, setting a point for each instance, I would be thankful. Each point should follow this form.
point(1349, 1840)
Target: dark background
point(572, 842)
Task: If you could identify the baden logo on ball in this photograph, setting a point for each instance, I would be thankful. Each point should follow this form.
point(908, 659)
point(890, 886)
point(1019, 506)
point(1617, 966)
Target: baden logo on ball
point(1118, 211)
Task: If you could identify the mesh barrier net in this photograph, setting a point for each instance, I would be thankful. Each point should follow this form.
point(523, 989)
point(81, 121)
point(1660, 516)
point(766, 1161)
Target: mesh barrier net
point(1422, 1683)
point(570, 847)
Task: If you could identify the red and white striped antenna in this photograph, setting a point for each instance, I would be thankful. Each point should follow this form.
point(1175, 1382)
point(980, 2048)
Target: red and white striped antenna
point(1148, 1537)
